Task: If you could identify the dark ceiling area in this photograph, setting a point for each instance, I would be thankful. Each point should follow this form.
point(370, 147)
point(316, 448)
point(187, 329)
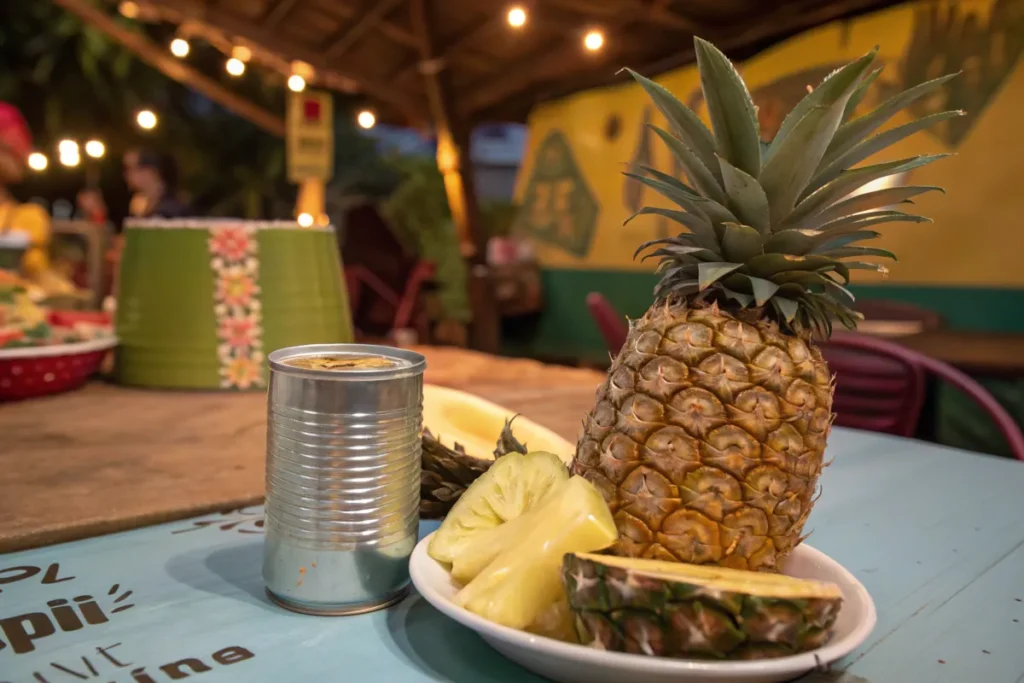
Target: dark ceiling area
point(395, 52)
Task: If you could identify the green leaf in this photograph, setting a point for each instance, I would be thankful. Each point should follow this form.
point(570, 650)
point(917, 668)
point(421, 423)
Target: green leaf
point(787, 308)
point(864, 265)
point(850, 180)
point(796, 154)
point(837, 241)
point(699, 174)
point(860, 92)
point(746, 198)
point(839, 292)
point(791, 242)
point(683, 121)
point(740, 243)
point(712, 210)
point(688, 219)
point(805, 278)
point(730, 108)
point(763, 289)
point(840, 80)
point(709, 273)
point(679, 253)
point(866, 201)
point(859, 221)
point(846, 252)
point(685, 200)
point(744, 300)
point(767, 265)
point(866, 148)
point(668, 287)
point(849, 134)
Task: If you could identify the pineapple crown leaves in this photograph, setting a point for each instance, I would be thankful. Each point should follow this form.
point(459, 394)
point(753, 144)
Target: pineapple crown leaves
point(776, 226)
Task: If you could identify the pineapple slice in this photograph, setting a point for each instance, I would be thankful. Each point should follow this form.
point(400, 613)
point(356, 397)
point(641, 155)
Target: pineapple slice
point(673, 609)
point(522, 583)
point(514, 484)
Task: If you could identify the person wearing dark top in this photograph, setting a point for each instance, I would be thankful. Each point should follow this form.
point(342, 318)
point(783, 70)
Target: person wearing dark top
point(153, 180)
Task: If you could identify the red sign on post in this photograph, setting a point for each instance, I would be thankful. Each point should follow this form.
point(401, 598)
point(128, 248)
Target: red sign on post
point(310, 136)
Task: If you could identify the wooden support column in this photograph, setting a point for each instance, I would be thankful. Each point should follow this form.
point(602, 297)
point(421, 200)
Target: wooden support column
point(456, 166)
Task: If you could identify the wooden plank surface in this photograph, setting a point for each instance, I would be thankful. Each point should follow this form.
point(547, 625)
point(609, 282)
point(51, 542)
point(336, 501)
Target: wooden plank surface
point(107, 458)
point(936, 535)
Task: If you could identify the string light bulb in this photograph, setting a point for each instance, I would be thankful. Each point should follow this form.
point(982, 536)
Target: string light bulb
point(296, 83)
point(95, 149)
point(67, 147)
point(305, 220)
point(37, 161)
point(146, 119)
point(71, 159)
point(180, 48)
point(128, 9)
point(594, 40)
point(516, 17)
point(303, 69)
point(235, 67)
point(366, 119)
point(241, 53)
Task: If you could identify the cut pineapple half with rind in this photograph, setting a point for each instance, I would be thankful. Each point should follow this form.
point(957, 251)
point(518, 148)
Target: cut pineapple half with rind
point(514, 484)
point(672, 609)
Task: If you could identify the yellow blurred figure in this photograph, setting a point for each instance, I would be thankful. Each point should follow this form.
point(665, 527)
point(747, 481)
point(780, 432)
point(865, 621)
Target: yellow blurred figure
point(29, 219)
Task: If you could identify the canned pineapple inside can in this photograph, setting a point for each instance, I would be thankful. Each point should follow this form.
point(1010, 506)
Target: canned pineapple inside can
point(342, 362)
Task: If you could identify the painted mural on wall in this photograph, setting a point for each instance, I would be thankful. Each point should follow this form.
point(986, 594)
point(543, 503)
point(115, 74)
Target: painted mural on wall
point(557, 207)
point(919, 41)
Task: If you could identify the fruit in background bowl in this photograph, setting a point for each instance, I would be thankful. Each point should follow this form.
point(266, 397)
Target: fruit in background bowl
point(463, 435)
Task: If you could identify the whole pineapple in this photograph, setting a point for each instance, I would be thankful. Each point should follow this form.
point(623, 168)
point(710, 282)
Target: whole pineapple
point(708, 434)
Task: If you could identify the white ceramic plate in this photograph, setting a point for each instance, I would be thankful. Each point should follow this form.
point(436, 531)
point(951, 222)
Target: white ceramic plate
point(567, 663)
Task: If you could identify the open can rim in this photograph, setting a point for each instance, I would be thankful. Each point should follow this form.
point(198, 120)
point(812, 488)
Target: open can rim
point(407, 363)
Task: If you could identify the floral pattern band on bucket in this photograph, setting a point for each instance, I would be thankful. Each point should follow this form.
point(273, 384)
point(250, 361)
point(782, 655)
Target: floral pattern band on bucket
point(237, 308)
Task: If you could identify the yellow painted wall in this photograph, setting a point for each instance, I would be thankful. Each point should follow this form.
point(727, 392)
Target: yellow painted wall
point(977, 238)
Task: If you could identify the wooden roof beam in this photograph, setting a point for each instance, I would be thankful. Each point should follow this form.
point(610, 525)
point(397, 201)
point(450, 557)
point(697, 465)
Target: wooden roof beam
point(634, 10)
point(276, 12)
point(159, 58)
point(272, 40)
point(348, 37)
point(455, 48)
point(554, 61)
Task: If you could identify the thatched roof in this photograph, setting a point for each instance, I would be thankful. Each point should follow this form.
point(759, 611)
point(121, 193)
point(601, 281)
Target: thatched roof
point(389, 50)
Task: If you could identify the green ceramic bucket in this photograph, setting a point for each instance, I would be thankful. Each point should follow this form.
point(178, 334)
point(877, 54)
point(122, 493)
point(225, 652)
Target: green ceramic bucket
point(202, 302)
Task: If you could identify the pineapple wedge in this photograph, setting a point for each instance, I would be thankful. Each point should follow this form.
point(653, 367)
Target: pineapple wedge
point(521, 586)
point(514, 484)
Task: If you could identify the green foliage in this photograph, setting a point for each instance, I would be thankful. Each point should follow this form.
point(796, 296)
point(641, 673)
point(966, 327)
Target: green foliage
point(418, 209)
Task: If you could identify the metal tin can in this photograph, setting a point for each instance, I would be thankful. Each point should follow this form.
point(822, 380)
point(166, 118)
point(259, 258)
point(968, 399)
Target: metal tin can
point(343, 476)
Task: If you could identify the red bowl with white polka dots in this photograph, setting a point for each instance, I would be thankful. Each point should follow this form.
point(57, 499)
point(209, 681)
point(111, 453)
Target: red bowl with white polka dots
point(32, 371)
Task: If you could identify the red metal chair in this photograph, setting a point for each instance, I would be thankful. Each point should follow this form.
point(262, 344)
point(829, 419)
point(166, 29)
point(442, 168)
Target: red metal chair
point(407, 305)
point(881, 386)
point(611, 323)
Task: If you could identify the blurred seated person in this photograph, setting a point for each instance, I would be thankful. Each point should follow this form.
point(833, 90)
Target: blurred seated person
point(153, 181)
point(31, 220)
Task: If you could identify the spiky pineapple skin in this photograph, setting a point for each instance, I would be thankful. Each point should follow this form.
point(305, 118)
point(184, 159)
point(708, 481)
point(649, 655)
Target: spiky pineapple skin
point(617, 609)
point(707, 438)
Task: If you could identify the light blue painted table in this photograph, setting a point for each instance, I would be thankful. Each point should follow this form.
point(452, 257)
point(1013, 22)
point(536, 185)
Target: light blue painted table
point(936, 535)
